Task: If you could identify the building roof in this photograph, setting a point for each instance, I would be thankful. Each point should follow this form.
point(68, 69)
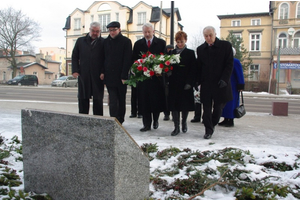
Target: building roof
point(50, 61)
point(68, 23)
point(243, 15)
point(27, 64)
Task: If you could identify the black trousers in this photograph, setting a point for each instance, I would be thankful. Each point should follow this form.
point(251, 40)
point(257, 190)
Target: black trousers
point(198, 111)
point(84, 106)
point(117, 102)
point(211, 115)
point(136, 105)
point(147, 118)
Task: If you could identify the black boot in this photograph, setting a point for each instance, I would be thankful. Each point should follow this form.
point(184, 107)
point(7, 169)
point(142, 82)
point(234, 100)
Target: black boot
point(183, 122)
point(229, 123)
point(224, 122)
point(175, 115)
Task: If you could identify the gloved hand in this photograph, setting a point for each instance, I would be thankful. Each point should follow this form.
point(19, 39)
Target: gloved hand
point(187, 87)
point(169, 73)
point(222, 84)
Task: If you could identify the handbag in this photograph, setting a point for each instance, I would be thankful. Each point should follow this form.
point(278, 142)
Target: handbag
point(240, 111)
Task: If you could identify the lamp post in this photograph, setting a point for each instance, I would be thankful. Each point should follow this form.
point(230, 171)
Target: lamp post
point(172, 24)
point(278, 70)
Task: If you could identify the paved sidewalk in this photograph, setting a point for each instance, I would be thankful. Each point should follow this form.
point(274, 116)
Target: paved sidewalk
point(258, 130)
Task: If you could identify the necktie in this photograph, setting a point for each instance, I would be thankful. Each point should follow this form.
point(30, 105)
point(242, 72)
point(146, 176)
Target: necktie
point(149, 43)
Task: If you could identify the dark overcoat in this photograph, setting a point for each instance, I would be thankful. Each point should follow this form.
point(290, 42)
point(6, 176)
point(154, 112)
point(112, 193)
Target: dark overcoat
point(152, 91)
point(182, 74)
point(86, 61)
point(237, 83)
point(214, 64)
point(117, 56)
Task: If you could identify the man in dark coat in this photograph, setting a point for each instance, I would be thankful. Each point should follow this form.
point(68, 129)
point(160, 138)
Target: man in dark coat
point(86, 64)
point(117, 55)
point(152, 90)
point(215, 62)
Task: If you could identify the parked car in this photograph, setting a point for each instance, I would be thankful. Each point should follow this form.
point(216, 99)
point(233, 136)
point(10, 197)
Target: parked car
point(65, 81)
point(24, 80)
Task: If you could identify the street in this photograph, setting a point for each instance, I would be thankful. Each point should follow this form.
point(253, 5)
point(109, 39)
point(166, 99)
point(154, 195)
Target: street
point(253, 102)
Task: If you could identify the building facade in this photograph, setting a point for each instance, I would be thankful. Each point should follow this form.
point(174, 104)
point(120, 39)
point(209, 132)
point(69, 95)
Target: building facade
point(46, 70)
point(263, 34)
point(57, 54)
point(131, 20)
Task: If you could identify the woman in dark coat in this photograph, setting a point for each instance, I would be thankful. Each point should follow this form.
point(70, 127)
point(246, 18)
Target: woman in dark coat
point(181, 97)
point(237, 84)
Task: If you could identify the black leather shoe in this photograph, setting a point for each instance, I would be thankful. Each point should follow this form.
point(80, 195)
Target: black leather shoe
point(195, 120)
point(184, 127)
point(166, 118)
point(145, 129)
point(132, 116)
point(155, 125)
point(175, 132)
point(140, 116)
point(207, 136)
point(223, 123)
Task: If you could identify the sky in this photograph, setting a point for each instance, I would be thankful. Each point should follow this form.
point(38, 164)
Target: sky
point(195, 14)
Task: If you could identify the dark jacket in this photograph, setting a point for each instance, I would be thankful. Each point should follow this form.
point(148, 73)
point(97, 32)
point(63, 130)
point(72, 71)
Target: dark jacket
point(117, 57)
point(214, 64)
point(182, 74)
point(152, 90)
point(86, 61)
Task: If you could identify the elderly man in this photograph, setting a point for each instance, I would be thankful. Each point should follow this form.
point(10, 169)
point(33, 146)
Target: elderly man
point(215, 64)
point(152, 90)
point(86, 65)
point(117, 62)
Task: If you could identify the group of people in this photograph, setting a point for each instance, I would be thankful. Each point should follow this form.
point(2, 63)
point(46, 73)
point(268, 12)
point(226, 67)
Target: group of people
point(98, 62)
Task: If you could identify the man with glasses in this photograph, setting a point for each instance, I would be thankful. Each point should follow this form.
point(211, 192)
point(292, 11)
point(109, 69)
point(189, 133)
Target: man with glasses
point(117, 55)
point(86, 65)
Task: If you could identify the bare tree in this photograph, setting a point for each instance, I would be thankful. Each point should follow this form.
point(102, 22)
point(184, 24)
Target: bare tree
point(195, 40)
point(17, 31)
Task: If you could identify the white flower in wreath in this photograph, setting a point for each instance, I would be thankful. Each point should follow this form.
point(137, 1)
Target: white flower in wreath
point(147, 73)
point(157, 69)
point(175, 59)
point(161, 58)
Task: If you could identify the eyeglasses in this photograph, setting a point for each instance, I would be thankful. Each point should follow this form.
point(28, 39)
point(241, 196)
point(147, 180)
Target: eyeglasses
point(113, 30)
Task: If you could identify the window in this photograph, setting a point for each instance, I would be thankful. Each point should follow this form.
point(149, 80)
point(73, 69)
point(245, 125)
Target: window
point(141, 18)
point(117, 17)
point(92, 18)
point(238, 36)
point(255, 22)
point(4, 76)
point(254, 72)
point(255, 41)
point(236, 23)
point(284, 11)
point(297, 39)
point(104, 20)
point(77, 24)
point(298, 11)
point(104, 7)
point(282, 40)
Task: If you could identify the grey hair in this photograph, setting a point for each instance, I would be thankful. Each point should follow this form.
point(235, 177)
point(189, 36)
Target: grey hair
point(95, 24)
point(209, 28)
point(148, 25)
